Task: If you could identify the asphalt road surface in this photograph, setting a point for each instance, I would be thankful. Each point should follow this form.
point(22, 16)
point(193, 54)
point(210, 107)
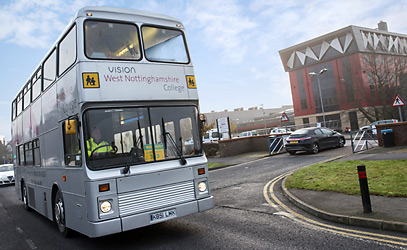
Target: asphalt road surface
point(242, 219)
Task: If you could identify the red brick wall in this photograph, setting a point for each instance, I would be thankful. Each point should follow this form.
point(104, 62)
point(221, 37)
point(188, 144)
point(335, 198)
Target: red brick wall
point(399, 133)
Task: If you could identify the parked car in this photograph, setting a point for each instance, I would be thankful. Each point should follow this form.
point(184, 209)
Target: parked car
point(372, 127)
point(248, 133)
point(6, 174)
point(279, 131)
point(313, 140)
point(212, 136)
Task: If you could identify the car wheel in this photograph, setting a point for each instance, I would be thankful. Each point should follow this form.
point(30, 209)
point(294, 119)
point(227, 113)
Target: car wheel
point(341, 142)
point(24, 196)
point(314, 148)
point(291, 152)
point(59, 214)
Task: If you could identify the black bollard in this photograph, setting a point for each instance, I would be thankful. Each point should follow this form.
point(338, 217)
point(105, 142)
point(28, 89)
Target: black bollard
point(364, 189)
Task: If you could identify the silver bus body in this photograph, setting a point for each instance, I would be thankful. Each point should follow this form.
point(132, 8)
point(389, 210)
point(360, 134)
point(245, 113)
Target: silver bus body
point(153, 191)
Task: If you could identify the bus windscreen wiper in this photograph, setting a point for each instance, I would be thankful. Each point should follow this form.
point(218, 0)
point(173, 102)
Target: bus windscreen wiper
point(134, 152)
point(174, 145)
point(172, 141)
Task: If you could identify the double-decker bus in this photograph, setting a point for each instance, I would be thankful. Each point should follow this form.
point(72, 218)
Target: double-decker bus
point(106, 131)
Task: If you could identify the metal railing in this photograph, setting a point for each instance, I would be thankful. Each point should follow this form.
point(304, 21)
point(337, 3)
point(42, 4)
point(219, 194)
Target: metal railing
point(276, 144)
point(362, 140)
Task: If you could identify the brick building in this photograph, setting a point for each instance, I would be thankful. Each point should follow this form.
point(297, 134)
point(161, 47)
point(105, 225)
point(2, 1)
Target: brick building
point(343, 54)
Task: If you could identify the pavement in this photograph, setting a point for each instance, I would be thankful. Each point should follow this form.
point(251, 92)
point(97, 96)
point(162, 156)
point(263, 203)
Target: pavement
point(388, 213)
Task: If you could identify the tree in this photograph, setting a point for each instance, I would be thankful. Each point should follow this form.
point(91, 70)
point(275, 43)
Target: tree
point(383, 76)
point(3, 153)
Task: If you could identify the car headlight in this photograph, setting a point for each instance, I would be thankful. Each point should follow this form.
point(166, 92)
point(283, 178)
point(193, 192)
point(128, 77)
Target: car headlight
point(105, 206)
point(202, 186)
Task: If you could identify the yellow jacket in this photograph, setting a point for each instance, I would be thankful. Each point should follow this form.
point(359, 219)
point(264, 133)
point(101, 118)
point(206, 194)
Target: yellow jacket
point(101, 147)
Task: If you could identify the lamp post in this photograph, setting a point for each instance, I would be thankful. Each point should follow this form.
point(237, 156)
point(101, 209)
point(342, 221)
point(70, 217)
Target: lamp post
point(320, 94)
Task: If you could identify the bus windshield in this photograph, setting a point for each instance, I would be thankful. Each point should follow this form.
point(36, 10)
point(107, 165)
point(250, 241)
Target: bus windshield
point(130, 136)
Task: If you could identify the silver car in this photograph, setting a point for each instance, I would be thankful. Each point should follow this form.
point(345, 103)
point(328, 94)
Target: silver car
point(6, 174)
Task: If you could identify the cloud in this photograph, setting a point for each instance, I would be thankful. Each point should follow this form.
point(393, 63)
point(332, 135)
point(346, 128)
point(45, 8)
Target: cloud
point(37, 23)
point(222, 26)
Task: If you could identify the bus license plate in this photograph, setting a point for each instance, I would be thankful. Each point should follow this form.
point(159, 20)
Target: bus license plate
point(163, 215)
point(293, 141)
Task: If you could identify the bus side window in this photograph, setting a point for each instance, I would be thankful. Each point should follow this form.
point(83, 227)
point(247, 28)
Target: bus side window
point(72, 150)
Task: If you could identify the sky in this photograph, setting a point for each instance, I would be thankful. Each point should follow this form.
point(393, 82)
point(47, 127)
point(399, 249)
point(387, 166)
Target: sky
point(234, 44)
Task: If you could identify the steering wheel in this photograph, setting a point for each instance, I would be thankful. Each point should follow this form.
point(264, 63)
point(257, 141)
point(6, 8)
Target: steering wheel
point(113, 150)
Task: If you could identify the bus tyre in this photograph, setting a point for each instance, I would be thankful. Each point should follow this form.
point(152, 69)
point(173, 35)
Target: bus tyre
point(24, 197)
point(59, 214)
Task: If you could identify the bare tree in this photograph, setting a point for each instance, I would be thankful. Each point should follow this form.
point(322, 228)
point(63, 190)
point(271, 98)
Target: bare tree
point(383, 76)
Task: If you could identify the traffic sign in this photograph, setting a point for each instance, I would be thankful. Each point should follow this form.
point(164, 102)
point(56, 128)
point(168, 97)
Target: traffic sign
point(398, 102)
point(284, 117)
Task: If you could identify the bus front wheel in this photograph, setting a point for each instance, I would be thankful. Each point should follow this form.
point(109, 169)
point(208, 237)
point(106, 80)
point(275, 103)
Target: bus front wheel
point(59, 214)
point(24, 196)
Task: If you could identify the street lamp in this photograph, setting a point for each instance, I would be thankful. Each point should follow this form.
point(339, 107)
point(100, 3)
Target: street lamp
point(319, 87)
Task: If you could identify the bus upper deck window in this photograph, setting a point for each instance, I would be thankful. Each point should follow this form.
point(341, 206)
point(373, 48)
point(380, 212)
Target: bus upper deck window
point(164, 45)
point(108, 40)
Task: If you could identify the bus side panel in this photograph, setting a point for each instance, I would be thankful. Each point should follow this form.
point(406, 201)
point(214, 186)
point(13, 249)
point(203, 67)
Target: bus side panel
point(19, 130)
point(35, 118)
point(51, 150)
point(67, 92)
point(49, 110)
point(27, 124)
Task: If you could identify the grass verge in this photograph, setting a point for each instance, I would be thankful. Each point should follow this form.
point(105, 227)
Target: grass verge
point(214, 165)
point(385, 178)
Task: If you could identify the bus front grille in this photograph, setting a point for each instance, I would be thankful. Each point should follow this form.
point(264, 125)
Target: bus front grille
point(155, 198)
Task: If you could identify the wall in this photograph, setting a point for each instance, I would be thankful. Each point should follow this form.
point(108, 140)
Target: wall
point(399, 133)
point(238, 146)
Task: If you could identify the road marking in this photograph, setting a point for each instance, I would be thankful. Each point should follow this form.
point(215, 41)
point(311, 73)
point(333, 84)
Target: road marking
point(282, 208)
point(30, 243)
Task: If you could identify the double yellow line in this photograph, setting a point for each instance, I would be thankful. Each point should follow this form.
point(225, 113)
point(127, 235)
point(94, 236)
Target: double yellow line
point(280, 207)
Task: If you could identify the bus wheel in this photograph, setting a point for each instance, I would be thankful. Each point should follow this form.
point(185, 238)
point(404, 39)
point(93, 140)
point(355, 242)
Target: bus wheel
point(59, 214)
point(24, 196)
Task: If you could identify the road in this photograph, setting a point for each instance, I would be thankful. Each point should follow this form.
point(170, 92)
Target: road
point(243, 218)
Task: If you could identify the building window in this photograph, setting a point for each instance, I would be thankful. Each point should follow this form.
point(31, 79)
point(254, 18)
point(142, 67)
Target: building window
point(302, 90)
point(328, 89)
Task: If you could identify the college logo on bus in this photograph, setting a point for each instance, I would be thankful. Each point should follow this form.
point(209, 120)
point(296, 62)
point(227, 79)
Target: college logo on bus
point(191, 82)
point(90, 80)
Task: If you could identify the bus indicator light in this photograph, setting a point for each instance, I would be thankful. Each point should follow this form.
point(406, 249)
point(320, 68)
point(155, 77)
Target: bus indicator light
point(201, 171)
point(64, 177)
point(104, 187)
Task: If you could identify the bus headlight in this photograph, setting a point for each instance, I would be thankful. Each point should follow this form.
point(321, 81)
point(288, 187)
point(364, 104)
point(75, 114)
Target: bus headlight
point(105, 206)
point(202, 186)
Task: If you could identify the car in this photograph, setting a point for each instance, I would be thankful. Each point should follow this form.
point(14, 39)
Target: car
point(275, 131)
point(7, 174)
point(212, 136)
point(372, 127)
point(313, 140)
point(248, 134)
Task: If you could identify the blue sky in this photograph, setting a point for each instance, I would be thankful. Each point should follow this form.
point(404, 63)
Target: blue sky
point(233, 44)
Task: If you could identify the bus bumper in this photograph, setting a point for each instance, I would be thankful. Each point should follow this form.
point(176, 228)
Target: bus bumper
point(144, 219)
point(205, 204)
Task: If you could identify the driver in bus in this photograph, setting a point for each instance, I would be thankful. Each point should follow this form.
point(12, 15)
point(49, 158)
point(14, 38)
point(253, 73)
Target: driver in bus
point(96, 145)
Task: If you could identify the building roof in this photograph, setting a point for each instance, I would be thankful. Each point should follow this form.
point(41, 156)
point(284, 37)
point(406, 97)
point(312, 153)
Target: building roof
point(345, 41)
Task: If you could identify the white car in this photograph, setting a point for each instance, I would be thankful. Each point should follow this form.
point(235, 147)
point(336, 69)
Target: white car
point(6, 174)
point(279, 131)
point(372, 127)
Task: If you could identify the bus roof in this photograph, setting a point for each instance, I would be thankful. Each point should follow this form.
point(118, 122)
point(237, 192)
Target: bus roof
point(83, 12)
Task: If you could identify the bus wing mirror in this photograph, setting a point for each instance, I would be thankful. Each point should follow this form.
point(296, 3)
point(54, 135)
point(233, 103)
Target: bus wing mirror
point(202, 117)
point(70, 127)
